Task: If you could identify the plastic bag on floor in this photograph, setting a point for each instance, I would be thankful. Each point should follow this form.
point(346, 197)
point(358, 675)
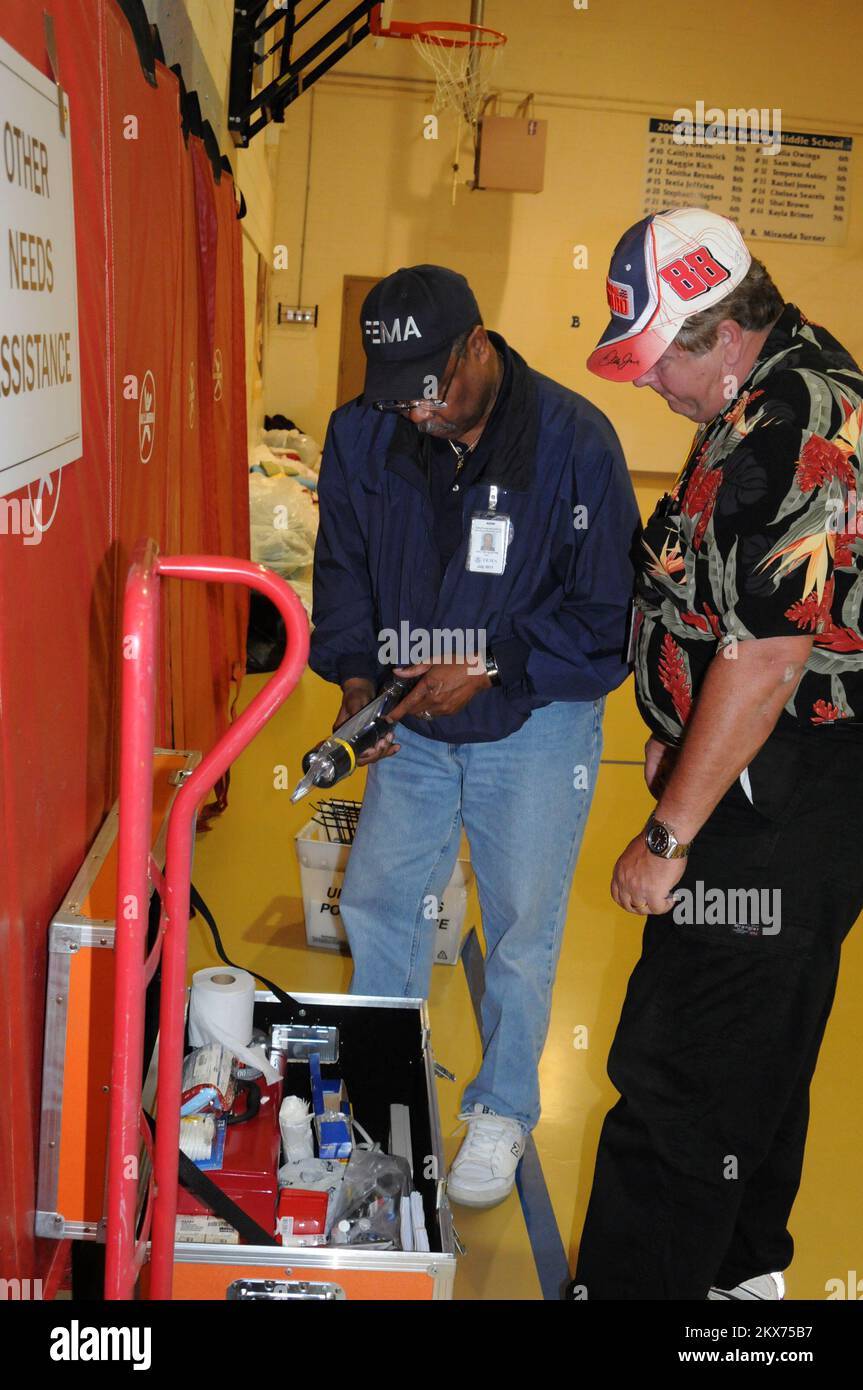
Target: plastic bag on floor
point(284, 523)
point(309, 449)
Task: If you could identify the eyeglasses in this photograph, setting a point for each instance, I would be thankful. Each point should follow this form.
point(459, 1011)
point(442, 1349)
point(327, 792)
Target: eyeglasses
point(435, 403)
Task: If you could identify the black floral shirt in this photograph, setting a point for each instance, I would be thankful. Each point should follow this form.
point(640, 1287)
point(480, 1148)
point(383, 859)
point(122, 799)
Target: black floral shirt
point(762, 536)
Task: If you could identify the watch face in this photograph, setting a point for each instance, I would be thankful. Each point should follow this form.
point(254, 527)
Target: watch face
point(658, 839)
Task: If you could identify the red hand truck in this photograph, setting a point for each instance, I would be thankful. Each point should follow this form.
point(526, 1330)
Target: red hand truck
point(136, 873)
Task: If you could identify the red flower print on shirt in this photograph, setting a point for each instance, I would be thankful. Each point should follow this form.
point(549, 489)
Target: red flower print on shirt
point(700, 496)
point(820, 461)
point(674, 678)
point(711, 616)
point(843, 555)
point(812, 616)
point(809, 614)
point(704, 622)
point(735, 414)
point(825, 713)
point(840, 639)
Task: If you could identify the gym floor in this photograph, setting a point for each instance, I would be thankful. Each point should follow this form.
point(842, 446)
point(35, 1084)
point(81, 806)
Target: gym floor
point(246, 869)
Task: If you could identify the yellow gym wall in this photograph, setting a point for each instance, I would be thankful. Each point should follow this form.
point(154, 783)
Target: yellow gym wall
point(379, 193)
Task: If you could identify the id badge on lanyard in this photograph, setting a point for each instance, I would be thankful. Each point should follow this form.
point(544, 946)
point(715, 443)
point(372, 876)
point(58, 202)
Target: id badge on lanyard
point(490, 535)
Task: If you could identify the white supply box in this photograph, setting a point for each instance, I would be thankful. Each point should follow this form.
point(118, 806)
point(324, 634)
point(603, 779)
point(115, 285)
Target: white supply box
point(322, 872)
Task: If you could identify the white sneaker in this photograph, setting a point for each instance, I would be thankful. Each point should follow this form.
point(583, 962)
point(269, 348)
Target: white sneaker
point(764, 1286)
point(483, 1172)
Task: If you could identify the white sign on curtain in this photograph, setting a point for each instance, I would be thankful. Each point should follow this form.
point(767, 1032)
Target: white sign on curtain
point(40, 378)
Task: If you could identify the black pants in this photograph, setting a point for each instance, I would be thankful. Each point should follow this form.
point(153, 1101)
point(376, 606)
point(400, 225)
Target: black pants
point(699, 1161)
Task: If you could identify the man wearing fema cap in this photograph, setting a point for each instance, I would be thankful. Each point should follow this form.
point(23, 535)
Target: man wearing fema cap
point(513, 641)
point(749, 674)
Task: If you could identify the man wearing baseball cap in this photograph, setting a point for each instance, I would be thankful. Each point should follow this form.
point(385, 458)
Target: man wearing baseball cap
point(748, 650)
point(513, 642)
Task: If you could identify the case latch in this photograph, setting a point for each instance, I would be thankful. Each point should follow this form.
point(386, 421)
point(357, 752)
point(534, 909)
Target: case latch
point(281, 1290)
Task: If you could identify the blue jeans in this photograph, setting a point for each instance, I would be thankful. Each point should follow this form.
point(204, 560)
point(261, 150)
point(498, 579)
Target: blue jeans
point(523, 801)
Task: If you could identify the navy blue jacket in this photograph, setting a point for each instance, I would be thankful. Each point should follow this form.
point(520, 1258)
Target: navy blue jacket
point(566, 588)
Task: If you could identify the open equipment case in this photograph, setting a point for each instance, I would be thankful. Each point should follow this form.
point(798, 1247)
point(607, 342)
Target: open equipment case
point(383, 1044)
point(384, 1057)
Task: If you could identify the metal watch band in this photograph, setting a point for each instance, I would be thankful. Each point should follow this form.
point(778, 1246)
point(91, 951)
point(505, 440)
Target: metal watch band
point(491, 669)
point(673, 848)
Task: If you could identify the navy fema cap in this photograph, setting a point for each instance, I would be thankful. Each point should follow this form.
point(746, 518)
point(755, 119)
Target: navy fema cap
point(409, 322)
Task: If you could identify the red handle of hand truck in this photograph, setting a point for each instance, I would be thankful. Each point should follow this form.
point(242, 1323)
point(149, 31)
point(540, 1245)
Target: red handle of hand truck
point(137, 735)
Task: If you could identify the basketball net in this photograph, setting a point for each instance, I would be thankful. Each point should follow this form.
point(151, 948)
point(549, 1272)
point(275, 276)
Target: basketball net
point(462, 73)
point(461, 57)
point(462, 76)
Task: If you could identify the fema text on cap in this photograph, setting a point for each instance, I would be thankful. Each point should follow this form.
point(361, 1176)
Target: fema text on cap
point(378, 331)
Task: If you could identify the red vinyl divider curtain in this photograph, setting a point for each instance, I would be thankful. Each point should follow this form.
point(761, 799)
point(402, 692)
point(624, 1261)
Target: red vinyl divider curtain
point(162, 361)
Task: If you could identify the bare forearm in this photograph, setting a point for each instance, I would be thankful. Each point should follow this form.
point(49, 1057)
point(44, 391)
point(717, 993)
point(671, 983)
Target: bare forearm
point(736, 711)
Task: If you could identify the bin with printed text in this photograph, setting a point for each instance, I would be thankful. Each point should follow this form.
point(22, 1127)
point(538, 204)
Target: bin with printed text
point(322, 872)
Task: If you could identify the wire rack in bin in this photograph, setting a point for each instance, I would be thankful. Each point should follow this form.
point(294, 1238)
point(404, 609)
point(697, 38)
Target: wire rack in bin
point(339, 820)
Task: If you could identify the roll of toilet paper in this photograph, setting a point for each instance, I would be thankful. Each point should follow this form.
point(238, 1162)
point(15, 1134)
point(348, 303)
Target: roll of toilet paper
point(221, 1010)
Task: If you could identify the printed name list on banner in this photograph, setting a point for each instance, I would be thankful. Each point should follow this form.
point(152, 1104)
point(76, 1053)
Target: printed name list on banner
point(40, 383)
point(777, 185)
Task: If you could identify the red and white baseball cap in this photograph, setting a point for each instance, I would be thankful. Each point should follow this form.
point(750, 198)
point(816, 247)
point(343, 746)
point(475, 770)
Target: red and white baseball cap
point(666, 268)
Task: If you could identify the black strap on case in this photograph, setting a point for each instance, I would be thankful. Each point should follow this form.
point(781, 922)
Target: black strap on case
point(221, 1205)
point(295, 1009)
point(216, 1201)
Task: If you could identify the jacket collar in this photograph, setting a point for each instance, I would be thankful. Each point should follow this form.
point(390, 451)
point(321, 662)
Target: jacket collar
point(506, 453)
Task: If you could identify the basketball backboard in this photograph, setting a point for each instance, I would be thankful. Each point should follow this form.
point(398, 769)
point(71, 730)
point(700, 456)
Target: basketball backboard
point(387, 7)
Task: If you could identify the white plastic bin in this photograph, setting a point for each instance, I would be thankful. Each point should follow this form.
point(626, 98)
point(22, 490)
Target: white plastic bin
point(322, 872)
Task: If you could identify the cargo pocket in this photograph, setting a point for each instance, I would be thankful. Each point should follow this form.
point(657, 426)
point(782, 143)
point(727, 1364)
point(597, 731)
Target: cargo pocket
point(702, 1063)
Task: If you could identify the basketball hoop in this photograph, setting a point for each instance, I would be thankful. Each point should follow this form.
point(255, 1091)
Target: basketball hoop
point(462, 67)
point(461, 57)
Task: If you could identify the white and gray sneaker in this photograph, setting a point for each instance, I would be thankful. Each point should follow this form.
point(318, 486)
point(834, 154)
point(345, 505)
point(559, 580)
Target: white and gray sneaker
point(483, 1171)
point(763, 1287)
